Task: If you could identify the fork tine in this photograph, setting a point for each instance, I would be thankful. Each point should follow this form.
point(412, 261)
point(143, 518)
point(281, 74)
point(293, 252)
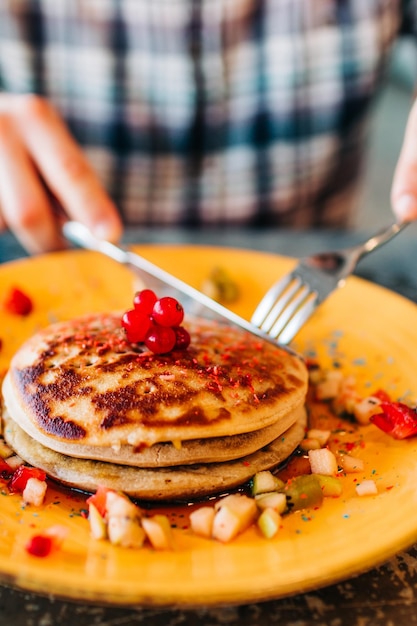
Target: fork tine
point(265, 305)
point(280, 304)
point(287, 313)
point(298, 320)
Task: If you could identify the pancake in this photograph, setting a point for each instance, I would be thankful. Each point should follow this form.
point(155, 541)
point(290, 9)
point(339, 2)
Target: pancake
point(92, 409)
point(79, 385)
point(164, 484)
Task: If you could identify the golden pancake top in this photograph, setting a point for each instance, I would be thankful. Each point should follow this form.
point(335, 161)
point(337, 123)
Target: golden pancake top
point(80, 381)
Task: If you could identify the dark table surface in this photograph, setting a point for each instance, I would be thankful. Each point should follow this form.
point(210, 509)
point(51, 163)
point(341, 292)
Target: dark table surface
point(386, 595)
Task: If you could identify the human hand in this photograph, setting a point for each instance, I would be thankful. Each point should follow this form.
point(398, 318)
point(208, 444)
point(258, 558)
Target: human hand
point(40, 161)
point(404, 187)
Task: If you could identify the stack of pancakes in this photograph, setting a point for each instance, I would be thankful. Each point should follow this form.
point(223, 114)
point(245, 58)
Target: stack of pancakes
point(90, 409)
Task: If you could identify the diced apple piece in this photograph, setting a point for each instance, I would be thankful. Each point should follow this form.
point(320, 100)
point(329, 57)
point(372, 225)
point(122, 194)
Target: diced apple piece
point(158, 531)
point(98, 526)
point(347, 396)
point(329, 387)
point(125, 531)
point(365, 408)
point(275, 500)
point(323, 461)
point(366, 488)
point(269, 522)
point(310, 444)
point(330, 486)
point(119, 505)
point(320, 434)
point(264, 482)
point(234, 514)
point(350, 464)
point(201, 521)
point(35, 491)
point(14, 461)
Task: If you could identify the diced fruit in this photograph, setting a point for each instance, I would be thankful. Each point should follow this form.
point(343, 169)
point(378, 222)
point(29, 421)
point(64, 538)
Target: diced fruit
point(350, 464)
point(234, 514)
point(265, 481)
point(275, 500)
point(323, 461)
point(14, 461)
point(347, 397)
point(98, 527)
point(98, 500)
point(397, 419)
point(330, 486)
point(18, 303)
point(269, 522)
point(365, 409)
point(42, 544)
point(321, 435)
point(201, 521)
point(366, 488)
point(303, 492)
point(34, 491)
point(5, 470)
point(21, 476)
point(39, 545)
point(119, 505)
point(309, 444)
point(158, 531)
point(329, 387)
point(126, 532)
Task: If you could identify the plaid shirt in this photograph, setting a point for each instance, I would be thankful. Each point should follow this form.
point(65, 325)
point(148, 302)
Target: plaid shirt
point(211, 111)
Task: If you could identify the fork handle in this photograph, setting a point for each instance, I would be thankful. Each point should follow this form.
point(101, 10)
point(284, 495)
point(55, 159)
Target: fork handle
point(384, 235)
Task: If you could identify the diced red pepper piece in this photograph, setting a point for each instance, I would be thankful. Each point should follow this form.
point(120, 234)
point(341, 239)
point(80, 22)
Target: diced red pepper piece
point(99, 500)
point(18, 303)
point(382, 395)
point(397, 419)
point(21, 475)
point(39, 545)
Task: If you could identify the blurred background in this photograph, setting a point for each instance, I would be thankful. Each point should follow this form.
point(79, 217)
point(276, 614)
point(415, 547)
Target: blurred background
point(387, 135)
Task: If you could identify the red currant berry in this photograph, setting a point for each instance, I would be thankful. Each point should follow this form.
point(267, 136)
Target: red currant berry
point(160, 339)
point(144, 300)
point(168, 311)
point(136, 324)
point(182, 338)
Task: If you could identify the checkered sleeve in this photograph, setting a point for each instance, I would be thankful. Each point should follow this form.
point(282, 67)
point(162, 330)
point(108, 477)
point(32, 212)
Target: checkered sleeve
point(211, 111)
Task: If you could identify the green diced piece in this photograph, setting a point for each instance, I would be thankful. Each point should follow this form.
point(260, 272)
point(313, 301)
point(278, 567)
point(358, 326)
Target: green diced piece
point(330, 485)
point(265, 482)
point(303, 492)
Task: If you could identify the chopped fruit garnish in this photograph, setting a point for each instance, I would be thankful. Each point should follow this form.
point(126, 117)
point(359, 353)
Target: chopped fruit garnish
point(168, 312)
point(42, 544)
point(39, 545)
point(160, 339)
point(136, 324)
point(144, 300)
point(5, 470)
point(17, 302)
point(182, 338)
point(397, 419)
point(156, 323)
point(21, 476)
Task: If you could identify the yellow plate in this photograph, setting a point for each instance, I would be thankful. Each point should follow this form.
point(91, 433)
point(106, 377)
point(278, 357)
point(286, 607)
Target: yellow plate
point(368, 330)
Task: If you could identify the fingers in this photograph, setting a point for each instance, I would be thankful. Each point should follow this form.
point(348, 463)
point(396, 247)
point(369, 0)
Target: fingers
point(39, 159)
point(24, 202)
point(404, 187)
point(65, 169)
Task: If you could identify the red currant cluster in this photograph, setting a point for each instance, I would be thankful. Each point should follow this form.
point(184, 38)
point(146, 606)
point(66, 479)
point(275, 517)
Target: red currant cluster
point(156, 323)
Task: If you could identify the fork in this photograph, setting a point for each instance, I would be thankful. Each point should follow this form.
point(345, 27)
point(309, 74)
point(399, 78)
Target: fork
point(290, 302)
